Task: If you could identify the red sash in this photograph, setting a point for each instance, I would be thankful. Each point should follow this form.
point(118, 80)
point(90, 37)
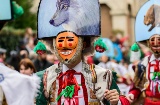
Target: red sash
point(69, 79)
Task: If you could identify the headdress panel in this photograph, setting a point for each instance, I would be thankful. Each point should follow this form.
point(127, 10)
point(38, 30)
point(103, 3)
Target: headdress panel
point(148, 20)
point(79, 16)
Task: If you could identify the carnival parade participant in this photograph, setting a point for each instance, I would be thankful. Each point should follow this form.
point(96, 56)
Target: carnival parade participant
point(146, 87)
point(71, 37)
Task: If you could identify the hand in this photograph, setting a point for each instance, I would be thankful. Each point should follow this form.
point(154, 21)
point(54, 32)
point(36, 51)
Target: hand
point(130, 98)
point(112, 96)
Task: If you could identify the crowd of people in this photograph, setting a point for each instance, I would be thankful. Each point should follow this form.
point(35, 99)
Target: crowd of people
point(25, 50)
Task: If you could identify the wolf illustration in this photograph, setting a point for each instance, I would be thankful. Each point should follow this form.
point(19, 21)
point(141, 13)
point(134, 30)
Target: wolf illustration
point(75, 16)
point(152, 16)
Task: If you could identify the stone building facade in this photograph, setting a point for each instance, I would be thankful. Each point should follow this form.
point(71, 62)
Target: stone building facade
point(119, 15)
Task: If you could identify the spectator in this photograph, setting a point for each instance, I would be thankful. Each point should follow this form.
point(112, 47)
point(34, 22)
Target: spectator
point(24, 54)
point(14, 59)
point(2, 55)
point(27, 34)
point(52, 59)
point(26, 67)
point(41, 62)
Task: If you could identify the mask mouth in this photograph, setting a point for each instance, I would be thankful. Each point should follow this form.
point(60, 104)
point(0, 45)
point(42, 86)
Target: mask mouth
point(66, 52)
point(156, 47)
point(156, 53)
point(66, 60)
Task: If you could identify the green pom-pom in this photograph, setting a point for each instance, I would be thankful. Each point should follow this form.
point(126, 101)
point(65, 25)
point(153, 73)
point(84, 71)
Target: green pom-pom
point(135, 47)
point(100, 43)
point(17, 10)
point(39, 47)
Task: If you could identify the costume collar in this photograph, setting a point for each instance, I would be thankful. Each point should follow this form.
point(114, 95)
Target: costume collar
point(77, 68)
point(153, 58)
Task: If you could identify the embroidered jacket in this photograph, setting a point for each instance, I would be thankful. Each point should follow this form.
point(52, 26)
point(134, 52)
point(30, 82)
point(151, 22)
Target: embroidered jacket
point(146, 81)
point(97, 80)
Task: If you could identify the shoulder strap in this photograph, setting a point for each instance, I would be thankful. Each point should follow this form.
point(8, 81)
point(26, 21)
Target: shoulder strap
point(93, 73)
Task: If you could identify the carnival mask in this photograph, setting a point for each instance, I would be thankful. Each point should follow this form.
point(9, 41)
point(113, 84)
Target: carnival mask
point(66, 44)
point(154, 43)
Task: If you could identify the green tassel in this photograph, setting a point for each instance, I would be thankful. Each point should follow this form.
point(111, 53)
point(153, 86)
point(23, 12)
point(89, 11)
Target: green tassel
point(17, 10)
point(67, 92)
point(135, 47)
point(39, 46)
point(99, 42)
point(154, 75)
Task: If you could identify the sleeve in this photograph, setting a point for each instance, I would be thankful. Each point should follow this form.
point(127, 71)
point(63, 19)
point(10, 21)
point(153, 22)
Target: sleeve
point(41, 99)
point(135, 91)
point(123, 100)
point(25, 86)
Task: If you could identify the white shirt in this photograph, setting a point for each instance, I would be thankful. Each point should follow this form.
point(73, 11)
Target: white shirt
point(77, 68)
point(152, 61)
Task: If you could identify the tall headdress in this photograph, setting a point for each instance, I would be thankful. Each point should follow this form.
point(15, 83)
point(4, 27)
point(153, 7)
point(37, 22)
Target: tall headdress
point(147, 24)
point(79, 16)
point(148, 20)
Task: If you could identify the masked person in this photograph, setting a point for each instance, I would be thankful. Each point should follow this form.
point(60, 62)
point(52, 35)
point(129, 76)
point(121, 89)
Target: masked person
point(71, 37)
point(146, 85)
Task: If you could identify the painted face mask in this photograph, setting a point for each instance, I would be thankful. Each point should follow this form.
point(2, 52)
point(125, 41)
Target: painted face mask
point(66, 44)
point(154, 43)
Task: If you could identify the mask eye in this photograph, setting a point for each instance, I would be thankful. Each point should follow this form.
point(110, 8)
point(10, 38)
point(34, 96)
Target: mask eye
point(70, 39)
point(152, 39)
point(60, 40)
point(65, 7)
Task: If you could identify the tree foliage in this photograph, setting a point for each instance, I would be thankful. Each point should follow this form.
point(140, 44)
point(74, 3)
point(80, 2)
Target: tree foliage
point(28, 19)
point(9, 39)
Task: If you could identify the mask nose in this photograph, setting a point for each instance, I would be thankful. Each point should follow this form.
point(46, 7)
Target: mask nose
point(64, 44)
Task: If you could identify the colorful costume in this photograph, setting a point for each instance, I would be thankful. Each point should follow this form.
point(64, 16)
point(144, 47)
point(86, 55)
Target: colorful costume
point(89, 90)
point(70, 36)
point(146, 81)
point(146, 87)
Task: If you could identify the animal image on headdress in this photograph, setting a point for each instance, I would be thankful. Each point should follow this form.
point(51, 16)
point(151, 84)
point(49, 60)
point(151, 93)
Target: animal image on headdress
point(75, 16)
point(152, 16)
